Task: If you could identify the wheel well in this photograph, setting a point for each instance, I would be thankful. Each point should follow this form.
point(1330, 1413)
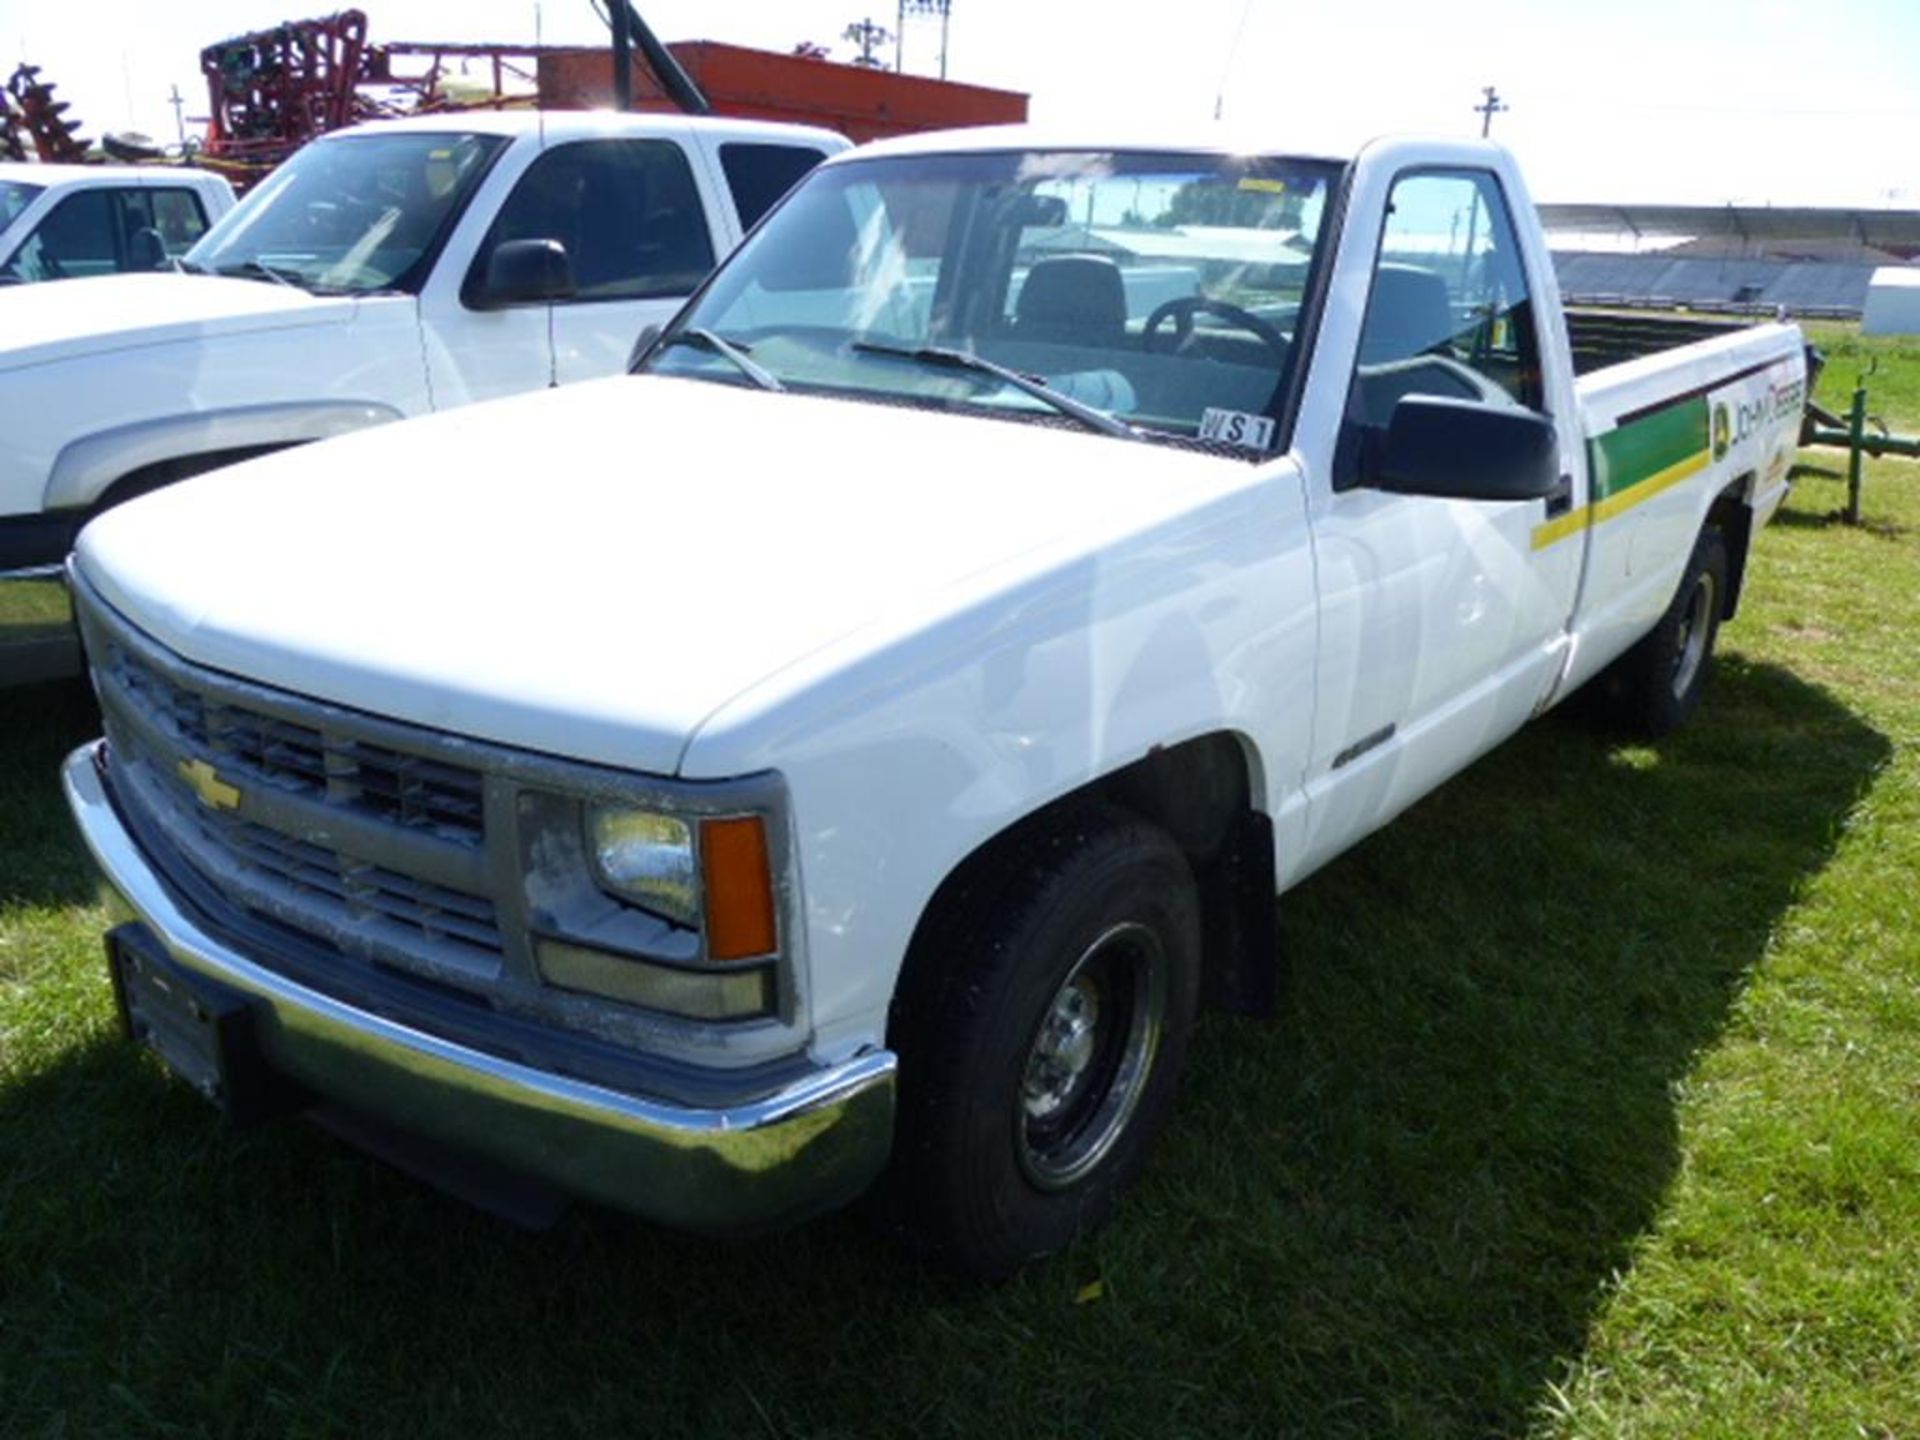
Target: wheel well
point(1732, 515)
point(161, 473)
point(1200, 792)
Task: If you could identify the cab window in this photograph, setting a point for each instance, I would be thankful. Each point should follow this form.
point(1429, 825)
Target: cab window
point(759, 175)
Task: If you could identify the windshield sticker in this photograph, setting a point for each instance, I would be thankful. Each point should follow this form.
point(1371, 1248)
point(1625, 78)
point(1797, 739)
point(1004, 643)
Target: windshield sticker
point(1256, 182)
point(1236, 427)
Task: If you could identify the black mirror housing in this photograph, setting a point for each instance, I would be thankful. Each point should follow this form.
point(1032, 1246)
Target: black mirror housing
point(642, 343)
point(1467, 450)
point(526, 272)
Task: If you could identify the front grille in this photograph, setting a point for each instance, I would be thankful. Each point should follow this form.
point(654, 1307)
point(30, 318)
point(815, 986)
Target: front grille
point(409, 790)
point(288, 813)
point(326, 876)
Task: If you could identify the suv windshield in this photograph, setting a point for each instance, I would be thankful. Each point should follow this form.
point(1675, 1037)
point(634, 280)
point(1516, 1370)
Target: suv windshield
point(1159, 289)
point(351, 214)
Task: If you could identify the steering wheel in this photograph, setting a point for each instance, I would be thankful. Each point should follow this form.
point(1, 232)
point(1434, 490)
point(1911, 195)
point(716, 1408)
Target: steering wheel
point(1182, 309)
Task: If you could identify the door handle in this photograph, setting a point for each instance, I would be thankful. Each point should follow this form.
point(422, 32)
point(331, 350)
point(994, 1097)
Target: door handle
point(1560, 498)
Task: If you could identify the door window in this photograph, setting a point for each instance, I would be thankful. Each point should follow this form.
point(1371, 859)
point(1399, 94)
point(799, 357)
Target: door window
point(759, 175)
point(1449, 313)
point(158, 225)
point(177, 215)
point(76, 239)
point(627, 211)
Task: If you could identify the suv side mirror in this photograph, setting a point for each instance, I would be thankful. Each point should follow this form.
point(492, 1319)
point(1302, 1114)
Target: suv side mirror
point(641, 345)
point(1467, 450)
point(526, 272)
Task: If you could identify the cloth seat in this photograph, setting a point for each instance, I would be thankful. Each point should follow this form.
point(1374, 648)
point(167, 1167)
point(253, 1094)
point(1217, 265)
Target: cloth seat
point(1073, 300)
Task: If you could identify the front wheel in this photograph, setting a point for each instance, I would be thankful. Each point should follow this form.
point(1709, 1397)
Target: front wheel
point(1041, 1029)
point(1656, 686)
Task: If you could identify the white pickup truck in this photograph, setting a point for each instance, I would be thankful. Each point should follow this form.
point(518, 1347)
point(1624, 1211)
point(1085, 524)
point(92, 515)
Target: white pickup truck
point(1046, 553)
point(389, 270)
point(69, 222)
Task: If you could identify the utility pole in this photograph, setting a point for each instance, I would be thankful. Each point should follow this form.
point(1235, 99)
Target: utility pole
point(942, 8)
point(869, 37)
point(179, 115)
point(1488, 108)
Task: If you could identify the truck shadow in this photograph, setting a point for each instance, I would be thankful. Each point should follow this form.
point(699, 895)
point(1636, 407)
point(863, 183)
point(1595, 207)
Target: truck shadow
point(40, 857)
point(1396, 1210)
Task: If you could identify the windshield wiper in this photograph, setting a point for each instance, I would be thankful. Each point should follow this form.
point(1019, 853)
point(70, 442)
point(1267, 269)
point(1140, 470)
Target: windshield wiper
point(1028, 385)
point(260, 270)
point(730, 350)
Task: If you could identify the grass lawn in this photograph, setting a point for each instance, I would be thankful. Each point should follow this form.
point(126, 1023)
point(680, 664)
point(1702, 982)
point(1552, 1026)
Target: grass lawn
point(1596, 1112)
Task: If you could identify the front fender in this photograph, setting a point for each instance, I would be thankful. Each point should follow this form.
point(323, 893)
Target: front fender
point(86, 467)
point(909, 746)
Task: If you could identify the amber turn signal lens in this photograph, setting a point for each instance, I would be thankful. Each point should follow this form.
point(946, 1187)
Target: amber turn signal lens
point(739, 888)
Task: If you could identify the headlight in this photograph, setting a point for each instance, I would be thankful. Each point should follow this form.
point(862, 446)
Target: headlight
point(714, 876)
point(647, 858)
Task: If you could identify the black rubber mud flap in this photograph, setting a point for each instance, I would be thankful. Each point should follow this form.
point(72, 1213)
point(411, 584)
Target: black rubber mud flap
point(1240, 920)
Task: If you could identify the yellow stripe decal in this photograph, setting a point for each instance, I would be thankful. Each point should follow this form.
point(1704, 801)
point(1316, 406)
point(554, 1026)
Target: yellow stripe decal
point(1578, 520)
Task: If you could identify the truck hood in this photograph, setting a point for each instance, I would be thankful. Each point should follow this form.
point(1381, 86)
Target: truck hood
point(67, 319)
point(594, 571)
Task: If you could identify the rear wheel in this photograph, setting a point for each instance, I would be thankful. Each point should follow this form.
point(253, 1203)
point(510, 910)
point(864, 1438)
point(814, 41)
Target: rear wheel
point(1041, 1027)
point(1656, 686)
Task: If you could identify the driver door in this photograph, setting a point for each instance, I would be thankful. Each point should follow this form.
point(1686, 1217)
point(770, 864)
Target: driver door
point(1443, 622)
point(632, 220)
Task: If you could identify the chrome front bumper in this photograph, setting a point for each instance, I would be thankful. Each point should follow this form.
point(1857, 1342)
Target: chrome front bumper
point(805, 1148)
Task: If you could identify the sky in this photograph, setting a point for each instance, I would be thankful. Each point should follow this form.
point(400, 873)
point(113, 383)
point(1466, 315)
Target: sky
point(1629, 101)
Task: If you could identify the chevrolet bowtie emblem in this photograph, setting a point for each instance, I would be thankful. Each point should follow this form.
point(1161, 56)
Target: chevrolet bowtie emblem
point(214, 793)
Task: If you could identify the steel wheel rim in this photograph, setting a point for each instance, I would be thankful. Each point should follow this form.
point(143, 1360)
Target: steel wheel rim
point(1690, 645)
point(1090, 1056)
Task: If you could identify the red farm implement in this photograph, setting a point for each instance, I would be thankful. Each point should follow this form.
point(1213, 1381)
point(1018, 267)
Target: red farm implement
point(33, 123)
point(272, 91)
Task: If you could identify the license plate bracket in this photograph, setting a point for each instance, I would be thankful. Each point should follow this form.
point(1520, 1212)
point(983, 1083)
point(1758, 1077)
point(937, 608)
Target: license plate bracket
point(206, 1033)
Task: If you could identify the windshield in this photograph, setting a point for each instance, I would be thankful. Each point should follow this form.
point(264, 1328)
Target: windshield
point(1162, 290)
point(15, 196)
point(350, 215)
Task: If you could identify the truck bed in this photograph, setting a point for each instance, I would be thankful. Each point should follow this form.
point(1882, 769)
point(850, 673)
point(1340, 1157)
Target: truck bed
point(1608, 337)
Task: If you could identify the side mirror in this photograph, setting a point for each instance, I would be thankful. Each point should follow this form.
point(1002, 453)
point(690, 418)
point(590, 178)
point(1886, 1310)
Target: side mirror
point(1465, 450)
point(146, 250)
point(642, 343)
point(526, 272)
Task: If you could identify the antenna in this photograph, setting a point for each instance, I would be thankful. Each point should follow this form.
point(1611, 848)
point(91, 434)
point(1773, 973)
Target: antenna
point(540, 129)
point(1226, 70)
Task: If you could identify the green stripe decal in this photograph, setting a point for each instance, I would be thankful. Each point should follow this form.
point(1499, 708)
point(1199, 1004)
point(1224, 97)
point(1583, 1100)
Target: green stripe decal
point(1624, 457)
point(1635, 462)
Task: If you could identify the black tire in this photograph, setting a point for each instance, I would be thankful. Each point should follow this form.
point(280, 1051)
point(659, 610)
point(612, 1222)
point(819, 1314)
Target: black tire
point(1656, 686)
point(1041, 1026)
